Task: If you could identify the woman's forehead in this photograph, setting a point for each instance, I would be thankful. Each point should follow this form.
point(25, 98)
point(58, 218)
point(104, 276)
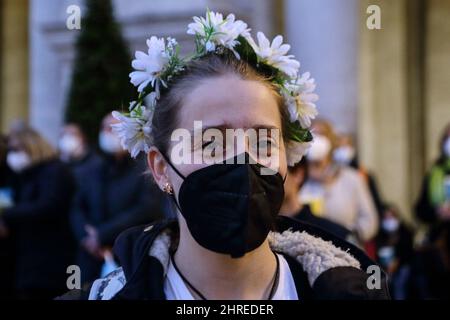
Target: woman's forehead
point(231, 102)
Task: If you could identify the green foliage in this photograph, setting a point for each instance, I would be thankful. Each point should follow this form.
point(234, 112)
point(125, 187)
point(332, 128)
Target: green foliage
point(100, 81)
point(297, 133)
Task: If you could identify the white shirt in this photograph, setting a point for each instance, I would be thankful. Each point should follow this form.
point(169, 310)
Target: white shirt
point(176, 289)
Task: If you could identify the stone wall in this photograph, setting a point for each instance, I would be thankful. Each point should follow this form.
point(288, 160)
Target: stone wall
point(51, 52)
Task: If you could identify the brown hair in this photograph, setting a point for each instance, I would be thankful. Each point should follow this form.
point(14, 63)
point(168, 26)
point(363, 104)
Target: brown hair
point(325, 128)
point(37, 148)
point(212, 65)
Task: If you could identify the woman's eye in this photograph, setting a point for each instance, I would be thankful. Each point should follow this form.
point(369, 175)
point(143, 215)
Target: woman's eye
point(204, 145)
point(213, 143)
point(266, 147)
point(213, 148)
point(265, 144)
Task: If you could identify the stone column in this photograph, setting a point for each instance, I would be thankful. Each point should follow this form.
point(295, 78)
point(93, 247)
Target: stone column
point(383, 131)
point(324, 37)
point(14, 62)
point(404, 95)
point(437, 74)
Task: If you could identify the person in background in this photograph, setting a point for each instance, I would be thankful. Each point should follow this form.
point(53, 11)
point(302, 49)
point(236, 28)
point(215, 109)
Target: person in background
point(433, 209)
point(43, 191)
point(335, 192)
point(394, 244)
point(6, 243)
point(433, 206)
point(345, 154)
point(294, 208)
point(113, 196)
point(5, 171)
point(74, 150)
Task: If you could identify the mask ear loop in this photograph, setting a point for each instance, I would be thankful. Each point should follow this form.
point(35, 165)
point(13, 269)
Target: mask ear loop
point(173, 167)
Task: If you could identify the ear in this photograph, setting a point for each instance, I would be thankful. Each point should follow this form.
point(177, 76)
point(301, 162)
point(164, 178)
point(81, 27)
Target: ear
point(158, 167)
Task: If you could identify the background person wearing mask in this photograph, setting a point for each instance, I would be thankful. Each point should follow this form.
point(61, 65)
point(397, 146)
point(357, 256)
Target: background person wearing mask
point(346, 154)
point(38, 219)
point(395, 252)
point(113, 195)
point(335, 192)
point(6, 243)
point(74, 149)
point(294, 208)
point(433, 209)
point(433, 206)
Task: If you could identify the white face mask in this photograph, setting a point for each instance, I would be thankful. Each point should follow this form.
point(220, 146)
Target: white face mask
point(447, 147)
point(109, 142)
point(69, 144)
point(18, 160)
point(344, 155)
point(320, 148)
point(390, 224)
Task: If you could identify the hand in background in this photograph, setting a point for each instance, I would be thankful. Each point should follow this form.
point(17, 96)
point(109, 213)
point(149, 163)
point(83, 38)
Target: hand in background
point(91, 242)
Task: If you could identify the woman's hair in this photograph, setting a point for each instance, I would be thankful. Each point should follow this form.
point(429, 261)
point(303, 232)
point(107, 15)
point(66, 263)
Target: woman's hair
point(37, 148)
point(303, 166)
point(325, 128)
point(165, 117)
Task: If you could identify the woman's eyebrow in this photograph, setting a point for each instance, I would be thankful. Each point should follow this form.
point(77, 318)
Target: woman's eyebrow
point(265, 126)
point(224, 127)
point(218, 127)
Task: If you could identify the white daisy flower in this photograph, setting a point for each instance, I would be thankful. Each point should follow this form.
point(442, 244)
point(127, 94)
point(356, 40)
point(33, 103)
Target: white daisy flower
point(150, 66)
point(134, 132)
point(295, 151)
point(275, 54)
point(300, 100)
point(213, 30)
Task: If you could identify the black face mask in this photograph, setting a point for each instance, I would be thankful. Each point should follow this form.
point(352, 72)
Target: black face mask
point(230, 208)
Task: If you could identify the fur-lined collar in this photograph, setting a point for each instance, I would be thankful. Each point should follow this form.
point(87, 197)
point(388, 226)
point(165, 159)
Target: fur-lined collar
point(314, 254)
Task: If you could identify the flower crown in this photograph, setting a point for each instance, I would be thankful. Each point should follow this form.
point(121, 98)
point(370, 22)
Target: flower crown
point(214, 34)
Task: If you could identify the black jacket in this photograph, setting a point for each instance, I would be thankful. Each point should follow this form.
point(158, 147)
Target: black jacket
point(112, 197)
point(142, 275)
point(305, 215)
point(80, 167)
point(7, 252)
point(40, 222)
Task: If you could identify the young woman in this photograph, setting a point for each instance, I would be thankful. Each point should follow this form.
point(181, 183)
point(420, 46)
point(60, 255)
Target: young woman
point(338, 193)
point(228, 241)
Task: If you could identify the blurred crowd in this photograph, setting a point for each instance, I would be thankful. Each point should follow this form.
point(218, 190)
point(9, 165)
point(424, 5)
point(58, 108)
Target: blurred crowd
point(330, 188)
point(65, 206)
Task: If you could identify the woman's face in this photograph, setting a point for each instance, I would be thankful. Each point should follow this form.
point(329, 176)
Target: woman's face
point(228, 102)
